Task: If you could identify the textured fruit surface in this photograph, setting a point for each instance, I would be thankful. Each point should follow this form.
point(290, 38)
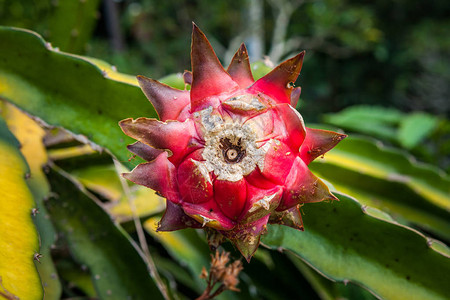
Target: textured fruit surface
point(231, 153)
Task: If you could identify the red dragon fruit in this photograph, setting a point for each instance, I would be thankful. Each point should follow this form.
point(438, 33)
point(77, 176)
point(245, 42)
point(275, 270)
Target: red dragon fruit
point(231, 154)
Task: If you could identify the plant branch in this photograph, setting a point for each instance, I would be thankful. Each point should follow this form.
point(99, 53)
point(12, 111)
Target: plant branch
point(285, 9)
point(141, 235)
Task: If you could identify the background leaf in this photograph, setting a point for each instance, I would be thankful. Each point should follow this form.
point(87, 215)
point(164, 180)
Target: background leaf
point(19, 241)
point(389, 179)
point(327, 289)
point(70, 92)
point(372, 120)
point(415, 128)
point(117, 269)
point(186, 246)
point(72, 23)
point(30, 136)
point(344, 243)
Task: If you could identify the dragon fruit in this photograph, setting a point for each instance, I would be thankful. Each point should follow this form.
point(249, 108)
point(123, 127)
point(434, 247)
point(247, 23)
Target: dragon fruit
point(231, 154)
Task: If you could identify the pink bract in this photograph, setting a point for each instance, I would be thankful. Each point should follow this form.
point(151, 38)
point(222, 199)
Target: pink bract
point(232, 153)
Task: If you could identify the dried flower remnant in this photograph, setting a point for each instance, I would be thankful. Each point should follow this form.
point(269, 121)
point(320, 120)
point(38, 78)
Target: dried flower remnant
point(221, 273)
point(231, 154)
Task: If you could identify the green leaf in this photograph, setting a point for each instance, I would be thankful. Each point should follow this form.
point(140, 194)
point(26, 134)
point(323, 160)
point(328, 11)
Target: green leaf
point(19, 241)
point(146, 202)
point(391, 180)
point(415, 127)
point(69, 91)
point(363, 113)
point(327, 289)
point(376, 121)
point(186, 246)
point(259, 69)
point(345, 244)
point(271, 275)
point(102, 179)
point(105, 181)
point(174, 80)
point(117, 269)
point(75, 276)
point(30, 136)
point(71, 24)
point(171, 269)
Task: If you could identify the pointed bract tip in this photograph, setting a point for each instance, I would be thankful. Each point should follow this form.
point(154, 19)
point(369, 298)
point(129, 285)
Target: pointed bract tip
point(278, 84)
point(174, 218)
point(301, 55)
point(342, 136)
point(318, 142)
point(241, 54)
point(197, 32)
point(248, 258)
point(144, 151)
point(333, 197)
point(168, 102)
point(247, 250)
point(239, 68)
point(242, 49)
point(209, 78)
point(142, 81)
point(124, 123)
point(294, 65)
point(247, 238)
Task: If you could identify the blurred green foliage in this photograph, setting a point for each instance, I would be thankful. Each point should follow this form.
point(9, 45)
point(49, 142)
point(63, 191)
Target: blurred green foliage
point(68, 24)
point(424, 135)
point(389, 53)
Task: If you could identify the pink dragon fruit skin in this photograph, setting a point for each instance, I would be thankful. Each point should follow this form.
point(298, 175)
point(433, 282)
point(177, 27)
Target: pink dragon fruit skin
point(231, 154)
